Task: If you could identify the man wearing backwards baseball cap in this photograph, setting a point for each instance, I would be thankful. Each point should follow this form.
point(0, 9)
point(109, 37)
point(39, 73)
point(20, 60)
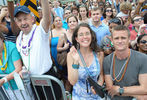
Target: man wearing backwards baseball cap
point(33, 44)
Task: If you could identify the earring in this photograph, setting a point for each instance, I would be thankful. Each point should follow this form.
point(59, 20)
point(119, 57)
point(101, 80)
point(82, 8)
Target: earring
point(78, 46)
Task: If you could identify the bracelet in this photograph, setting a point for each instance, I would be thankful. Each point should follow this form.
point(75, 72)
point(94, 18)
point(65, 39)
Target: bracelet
point(5, 79)
point(75, 66)
point(10, 0)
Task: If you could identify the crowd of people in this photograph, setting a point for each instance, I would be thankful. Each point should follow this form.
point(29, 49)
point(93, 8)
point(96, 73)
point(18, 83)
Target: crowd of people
point(104, 39)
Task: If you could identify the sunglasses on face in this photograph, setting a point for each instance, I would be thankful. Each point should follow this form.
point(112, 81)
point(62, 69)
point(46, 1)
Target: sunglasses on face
point(143, 41)
point(108, 10)
point(139, 19)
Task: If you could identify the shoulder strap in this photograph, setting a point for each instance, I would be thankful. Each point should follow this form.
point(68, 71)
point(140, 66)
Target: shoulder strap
point(51, 33)
point(83, 62)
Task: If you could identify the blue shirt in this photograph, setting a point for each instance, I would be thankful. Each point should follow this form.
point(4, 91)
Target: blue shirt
point(13, 56)
point(65, 25)
point(100, 31)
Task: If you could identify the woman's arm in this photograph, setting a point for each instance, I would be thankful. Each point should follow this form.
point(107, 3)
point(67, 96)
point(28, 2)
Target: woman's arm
point(18, 67)
point(101, 77)
point(72, 58)
point(62, 44)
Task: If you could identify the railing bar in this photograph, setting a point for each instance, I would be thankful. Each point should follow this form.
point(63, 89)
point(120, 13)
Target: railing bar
point(22, 95)
point(52, 90)
point(12, 91)
point(36, 92)
point(44, 92)
point(6, 92)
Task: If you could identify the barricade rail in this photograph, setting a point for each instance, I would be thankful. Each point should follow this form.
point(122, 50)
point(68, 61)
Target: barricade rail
point(37, 80)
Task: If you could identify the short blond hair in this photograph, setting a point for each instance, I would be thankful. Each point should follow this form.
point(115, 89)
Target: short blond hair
point(125, 6)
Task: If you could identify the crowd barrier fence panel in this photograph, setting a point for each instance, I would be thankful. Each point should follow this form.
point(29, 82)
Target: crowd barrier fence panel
point(37, 80)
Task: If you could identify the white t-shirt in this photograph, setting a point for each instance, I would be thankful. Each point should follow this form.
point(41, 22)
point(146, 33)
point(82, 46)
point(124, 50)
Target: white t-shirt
point(40, 59)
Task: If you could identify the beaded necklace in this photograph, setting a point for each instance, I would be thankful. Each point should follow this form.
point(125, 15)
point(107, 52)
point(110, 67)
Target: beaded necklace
point(26, 47)
point(6, 59)
point(125, 65)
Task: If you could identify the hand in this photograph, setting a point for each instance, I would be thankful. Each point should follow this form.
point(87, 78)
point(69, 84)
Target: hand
point(20, 73)
point(74, 53)
point(92, 89)
point(142, 28)
point(141, 1)
point(142, 97)
point(66, 46)
point(2, 81)
point(4, 12)
point(114, 90)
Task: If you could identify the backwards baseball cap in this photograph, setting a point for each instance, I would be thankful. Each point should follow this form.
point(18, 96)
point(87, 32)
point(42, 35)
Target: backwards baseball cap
point(23, 9)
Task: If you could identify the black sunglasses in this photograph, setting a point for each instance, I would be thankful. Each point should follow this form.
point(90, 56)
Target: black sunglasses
point(108, 10)
point(143, 41)
point(139, 19)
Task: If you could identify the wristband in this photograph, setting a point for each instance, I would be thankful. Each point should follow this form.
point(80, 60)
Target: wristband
point(75, 66)
point(5, 79)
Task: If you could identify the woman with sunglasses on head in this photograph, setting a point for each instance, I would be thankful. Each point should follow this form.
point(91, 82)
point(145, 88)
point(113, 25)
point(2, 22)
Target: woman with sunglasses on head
point(108, 15)
point(142, 43)
point(84, 46)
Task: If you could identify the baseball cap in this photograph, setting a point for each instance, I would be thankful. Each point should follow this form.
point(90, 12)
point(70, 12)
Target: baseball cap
point(23, 9)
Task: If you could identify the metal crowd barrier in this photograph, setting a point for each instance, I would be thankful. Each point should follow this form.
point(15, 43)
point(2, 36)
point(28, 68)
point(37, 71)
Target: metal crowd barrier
point(37, 80)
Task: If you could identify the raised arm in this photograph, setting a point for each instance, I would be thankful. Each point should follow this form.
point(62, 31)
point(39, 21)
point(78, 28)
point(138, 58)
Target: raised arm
point(46, 15)
point(72, 58)
point(14, 27)
point(137, 11)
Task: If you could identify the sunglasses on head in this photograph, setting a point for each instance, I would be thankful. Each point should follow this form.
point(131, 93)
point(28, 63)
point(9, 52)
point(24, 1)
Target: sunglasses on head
point(139, 19)
point(108, 10)
point(143, 41)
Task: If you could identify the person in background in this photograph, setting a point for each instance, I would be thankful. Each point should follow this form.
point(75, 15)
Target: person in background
point(55, 33)
point(142, 43)
point(83, 14)
point(106, 43)
point(94, 4)
point(108, 15)
point(114, 12)
point(137, 21)
point(101, 5)
point(84, 40)
point(65, 44)
point(67, 13)
point(74, 11)
point(58, 10)
point(6, 25)
point(97, 25)
point(126, 8)
point(10, 62)
point(40, 12)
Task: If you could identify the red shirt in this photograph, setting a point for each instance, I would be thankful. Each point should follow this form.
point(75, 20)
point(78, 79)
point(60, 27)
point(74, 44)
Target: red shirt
point(133, 35)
